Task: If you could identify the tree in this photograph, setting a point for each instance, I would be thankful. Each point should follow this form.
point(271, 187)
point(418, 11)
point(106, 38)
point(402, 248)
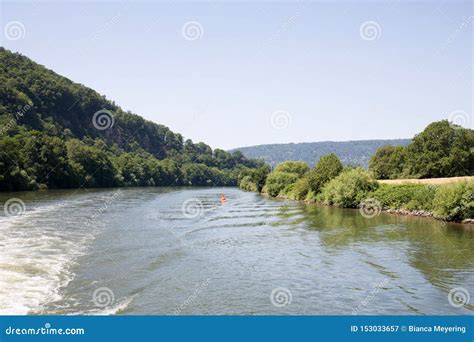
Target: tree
point(441, 150)
point(281, 180)
point(388, 162)
point(278, 181)
point(327, 168)
point(259, 176)
point(13, 171)
point(300, 189)
point(298, 167)
point(92, 166)
point(48, 139)
point(254, 179)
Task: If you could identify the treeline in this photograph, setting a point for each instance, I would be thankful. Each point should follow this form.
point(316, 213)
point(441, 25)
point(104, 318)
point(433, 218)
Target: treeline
point(441, 150)
point(32, 160)
point(331, 183)
point(50, 138)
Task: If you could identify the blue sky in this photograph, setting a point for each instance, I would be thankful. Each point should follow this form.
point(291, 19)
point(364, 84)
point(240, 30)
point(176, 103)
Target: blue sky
point(262, 72)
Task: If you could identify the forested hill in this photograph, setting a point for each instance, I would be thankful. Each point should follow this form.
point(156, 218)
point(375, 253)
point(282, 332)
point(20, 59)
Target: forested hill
point(349, 152)
point(55, 133)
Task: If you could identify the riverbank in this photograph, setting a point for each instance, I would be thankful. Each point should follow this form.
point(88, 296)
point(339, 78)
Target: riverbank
point(422, 213)
point(400, 211)
point(355, 188)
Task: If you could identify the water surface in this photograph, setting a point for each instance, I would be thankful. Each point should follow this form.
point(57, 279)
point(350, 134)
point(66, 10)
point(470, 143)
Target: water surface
point(134, 251)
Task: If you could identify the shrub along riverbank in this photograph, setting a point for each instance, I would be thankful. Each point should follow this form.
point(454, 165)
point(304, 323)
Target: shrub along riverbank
point(330, 183)
point(354, 188)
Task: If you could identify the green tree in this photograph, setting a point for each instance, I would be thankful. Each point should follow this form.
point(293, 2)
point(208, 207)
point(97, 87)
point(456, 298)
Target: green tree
point(298, 167)
point(14, 173)
point(92, 167)
point(300, 189)
point(388, 162)
point(48, 139)
point(277, 182)
point(281, 180)
point(441, 150)
point(253, 179)
point(327, 168)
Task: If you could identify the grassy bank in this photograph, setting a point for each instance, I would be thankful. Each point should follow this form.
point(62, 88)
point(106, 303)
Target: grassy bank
point(450, 202)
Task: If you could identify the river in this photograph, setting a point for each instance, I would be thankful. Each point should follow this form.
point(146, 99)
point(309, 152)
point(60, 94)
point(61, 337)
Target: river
point(154, 251)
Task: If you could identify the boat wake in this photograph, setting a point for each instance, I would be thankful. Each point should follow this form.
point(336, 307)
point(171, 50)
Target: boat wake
point(37, 256)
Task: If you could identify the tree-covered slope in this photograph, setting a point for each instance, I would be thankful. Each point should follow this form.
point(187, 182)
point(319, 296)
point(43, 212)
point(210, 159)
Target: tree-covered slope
point(349, 152)
point(58, 134)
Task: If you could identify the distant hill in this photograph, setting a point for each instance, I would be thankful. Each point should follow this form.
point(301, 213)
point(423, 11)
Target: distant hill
point(350, 152)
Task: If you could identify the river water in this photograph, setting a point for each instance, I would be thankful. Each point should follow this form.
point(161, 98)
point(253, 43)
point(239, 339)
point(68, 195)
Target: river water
point(182, 251)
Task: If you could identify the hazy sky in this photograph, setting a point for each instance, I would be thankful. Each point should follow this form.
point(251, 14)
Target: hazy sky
point(246, 73)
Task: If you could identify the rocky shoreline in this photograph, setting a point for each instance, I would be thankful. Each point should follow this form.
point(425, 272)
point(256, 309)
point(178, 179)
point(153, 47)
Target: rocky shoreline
point(423, 213)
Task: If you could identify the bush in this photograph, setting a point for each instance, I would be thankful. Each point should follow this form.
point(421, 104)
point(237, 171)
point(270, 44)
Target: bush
point(405, 196)
point(311, 196)
point(281, 181)
point(254, 178)
point(454, 202)
point(300, 189)
point(277, 181)
point(298, 167)
point(247, 184)
point(348, 189)
point(328, 167)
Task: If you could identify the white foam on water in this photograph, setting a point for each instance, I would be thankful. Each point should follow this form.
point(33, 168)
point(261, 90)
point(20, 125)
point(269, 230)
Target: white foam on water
point(109, 310)
point(36, 257)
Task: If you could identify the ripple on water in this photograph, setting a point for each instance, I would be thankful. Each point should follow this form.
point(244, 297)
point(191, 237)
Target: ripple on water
point(331, 260)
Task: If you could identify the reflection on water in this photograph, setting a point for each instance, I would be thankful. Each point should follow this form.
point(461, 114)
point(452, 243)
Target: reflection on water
point(150, 254)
